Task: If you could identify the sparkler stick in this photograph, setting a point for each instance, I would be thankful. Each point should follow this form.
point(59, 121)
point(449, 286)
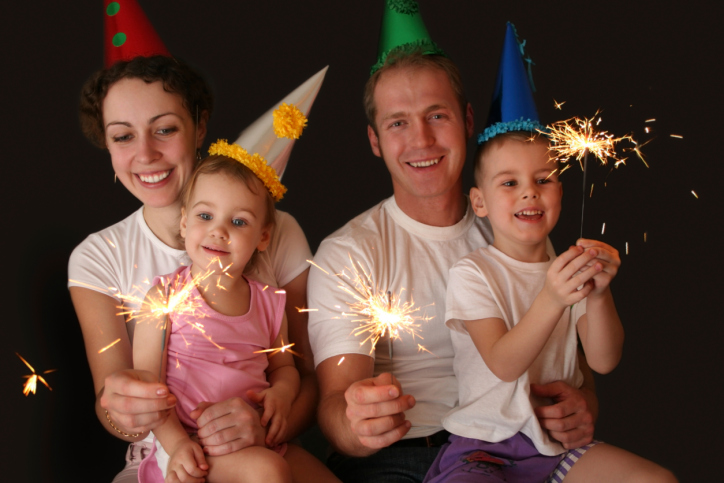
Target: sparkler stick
point(583, 199)
point(389, 341)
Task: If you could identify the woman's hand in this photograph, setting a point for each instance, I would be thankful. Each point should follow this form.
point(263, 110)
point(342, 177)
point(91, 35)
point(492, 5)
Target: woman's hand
point(136, 402)
point(228, 426)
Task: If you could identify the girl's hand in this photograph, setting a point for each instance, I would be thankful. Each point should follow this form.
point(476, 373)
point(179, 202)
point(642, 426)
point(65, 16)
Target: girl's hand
point(136, 402)
point(572, 270)
point(227, 426)
point(608, 258)
point(187, 464)
point(277, 407)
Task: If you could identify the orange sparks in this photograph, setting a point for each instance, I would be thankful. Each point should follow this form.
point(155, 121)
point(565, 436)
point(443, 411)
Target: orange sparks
point(558, 105)
point(341, 360)
point(276, 350)
point(421, 348)
point(311, 262)
point(31, 384)
point(110, 345)
point(603, 229)
point(110, 242)
point(306, 310)
point(574, 137)
point(677, 136)
point(695, 195)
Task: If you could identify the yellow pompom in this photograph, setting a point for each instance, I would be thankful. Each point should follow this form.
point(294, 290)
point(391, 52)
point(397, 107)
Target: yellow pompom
point(289, 121)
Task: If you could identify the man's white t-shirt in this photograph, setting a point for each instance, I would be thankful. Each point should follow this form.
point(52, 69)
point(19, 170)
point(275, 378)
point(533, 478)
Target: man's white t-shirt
point(412, 261)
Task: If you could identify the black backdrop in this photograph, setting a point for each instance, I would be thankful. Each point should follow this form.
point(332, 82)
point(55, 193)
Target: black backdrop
point(634, 60)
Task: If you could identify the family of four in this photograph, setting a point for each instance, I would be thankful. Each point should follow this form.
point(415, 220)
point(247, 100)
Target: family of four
point(502, 392)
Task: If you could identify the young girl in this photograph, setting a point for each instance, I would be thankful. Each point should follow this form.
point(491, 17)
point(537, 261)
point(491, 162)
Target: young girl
point(218, 332)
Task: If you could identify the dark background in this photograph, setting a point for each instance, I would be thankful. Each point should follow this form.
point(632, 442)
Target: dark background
point(633, 60)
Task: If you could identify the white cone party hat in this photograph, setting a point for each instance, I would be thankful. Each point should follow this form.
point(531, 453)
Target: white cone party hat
point(260, 136)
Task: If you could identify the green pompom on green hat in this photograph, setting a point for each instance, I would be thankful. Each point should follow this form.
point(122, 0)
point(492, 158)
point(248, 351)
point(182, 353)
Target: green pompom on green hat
point(403, 30)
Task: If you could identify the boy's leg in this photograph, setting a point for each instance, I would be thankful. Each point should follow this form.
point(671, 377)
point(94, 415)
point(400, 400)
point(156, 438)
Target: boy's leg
point(252, 464)
point(306, 468)
point(605, 463)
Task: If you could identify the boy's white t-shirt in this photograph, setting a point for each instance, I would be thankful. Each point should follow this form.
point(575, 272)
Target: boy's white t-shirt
point(126, 256)
point(486, 284)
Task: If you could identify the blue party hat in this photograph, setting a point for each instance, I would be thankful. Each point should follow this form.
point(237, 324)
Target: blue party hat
point(512, 108)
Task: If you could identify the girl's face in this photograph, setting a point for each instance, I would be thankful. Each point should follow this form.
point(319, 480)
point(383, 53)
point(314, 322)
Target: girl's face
point(224, 219)
point(152, 140)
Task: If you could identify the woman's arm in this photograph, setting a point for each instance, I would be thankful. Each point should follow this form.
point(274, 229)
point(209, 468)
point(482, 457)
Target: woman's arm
point(136, 402)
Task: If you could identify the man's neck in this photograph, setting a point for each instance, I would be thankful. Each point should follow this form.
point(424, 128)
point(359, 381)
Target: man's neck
point(444, 210)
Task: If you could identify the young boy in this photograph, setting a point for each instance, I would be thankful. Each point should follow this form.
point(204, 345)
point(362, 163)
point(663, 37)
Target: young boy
point(516, 311)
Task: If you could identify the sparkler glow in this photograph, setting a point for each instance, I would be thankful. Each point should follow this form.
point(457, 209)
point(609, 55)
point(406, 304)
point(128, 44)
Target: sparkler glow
point(378, 312)
point(110, 345)
point(276, 350)
point(31, 384)
point(574, 137)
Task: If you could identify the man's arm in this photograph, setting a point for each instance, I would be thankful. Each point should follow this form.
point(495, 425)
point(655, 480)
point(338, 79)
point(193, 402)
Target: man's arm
point(357, 413)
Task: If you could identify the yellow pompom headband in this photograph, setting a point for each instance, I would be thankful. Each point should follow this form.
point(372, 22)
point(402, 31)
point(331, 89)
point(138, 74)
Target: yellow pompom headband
point(289, 122)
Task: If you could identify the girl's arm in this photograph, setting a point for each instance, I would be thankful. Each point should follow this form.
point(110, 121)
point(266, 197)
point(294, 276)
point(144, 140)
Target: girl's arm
point(509, 353)
point(284, 387)
point(135, 401)
point(303, 411)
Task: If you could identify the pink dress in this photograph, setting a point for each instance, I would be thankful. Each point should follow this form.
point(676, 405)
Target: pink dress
point(211, 356)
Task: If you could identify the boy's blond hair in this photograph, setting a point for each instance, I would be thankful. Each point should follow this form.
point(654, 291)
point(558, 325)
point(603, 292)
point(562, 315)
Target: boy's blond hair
point(497, 141)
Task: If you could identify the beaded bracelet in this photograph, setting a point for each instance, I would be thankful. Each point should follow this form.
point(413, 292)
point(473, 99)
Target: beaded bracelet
point(108, 417)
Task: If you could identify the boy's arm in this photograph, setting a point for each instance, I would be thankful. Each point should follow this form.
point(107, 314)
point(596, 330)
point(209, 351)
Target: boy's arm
point(600, 328)
point(509, 353)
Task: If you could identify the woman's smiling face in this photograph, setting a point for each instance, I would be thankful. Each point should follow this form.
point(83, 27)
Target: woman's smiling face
point(152, 140)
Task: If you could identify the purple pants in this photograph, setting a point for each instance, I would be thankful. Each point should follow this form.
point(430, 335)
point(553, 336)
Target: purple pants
point(512, 460)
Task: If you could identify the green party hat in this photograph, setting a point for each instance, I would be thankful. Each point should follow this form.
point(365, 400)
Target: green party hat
point(403, 31)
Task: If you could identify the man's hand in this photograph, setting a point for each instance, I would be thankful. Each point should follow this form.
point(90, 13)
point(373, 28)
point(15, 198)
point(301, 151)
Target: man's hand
point(375, 409)
point(570, 419)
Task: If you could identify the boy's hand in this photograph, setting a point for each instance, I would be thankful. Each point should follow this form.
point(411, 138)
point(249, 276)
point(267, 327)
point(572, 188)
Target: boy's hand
point(608, 258)
point(574, 268)
point(277, 407)
point(187, 464)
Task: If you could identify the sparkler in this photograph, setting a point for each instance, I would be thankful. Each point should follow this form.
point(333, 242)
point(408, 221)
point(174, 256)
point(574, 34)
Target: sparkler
point(378, 312)
point(31, 384)
point(577, 138)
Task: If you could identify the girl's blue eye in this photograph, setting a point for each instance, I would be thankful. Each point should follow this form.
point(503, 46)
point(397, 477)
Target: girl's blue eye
point(205, 216)
point(238, 222)
point(167, 131)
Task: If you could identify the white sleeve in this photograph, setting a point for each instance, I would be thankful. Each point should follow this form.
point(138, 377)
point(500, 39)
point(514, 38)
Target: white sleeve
point(330, 334)
point(93, 266)
point(468, 297)
point(288, 249)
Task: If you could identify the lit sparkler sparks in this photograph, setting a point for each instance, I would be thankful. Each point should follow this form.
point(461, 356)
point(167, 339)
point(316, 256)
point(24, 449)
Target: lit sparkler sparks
point(31, 384)
point(276, 350)
point(110, 345)
point(574, 137)
point(378, 312)
point(174, 296)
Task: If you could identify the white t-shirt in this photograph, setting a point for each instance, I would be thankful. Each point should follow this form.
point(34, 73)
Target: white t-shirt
point(487, 283)
point(398, 253)
point(126, 256)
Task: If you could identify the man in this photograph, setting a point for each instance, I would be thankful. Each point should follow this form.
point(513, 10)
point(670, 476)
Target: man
point(382, 415)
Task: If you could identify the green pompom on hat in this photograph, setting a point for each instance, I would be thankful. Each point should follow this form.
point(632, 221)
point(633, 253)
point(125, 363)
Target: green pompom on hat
point(403, 31)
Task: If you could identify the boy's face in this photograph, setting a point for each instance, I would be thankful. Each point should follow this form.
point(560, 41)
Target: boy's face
point(519, 195)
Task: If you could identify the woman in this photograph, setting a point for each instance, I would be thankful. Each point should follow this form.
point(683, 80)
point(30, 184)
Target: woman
point(151, 115)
